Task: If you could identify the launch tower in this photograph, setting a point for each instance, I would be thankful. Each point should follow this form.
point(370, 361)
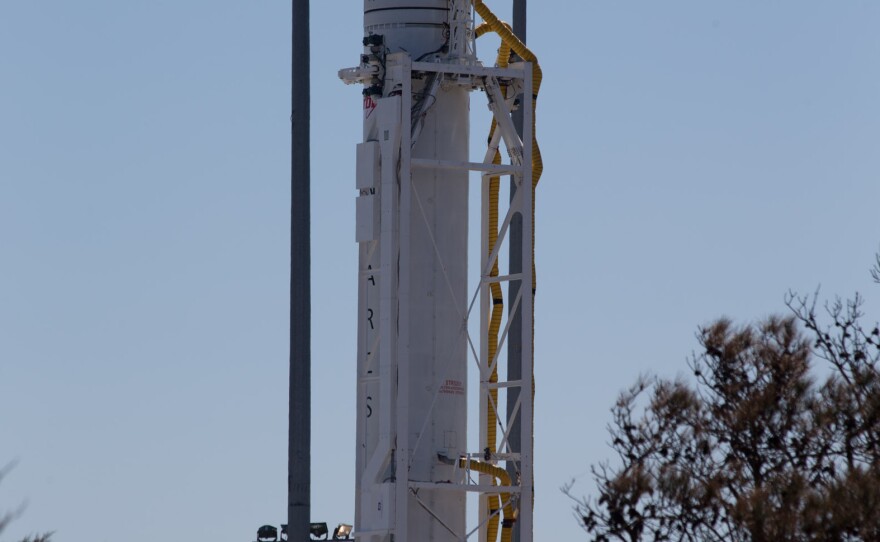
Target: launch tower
point(414, 469)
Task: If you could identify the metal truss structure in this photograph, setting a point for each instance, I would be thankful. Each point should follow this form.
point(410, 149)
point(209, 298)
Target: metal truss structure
point(384, 351)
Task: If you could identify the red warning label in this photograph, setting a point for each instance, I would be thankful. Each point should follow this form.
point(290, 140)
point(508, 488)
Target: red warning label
point(452, 387)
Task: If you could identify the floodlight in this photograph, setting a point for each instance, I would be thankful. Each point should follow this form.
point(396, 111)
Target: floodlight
point(267, 532)
point(318, 530)
point(342, 531)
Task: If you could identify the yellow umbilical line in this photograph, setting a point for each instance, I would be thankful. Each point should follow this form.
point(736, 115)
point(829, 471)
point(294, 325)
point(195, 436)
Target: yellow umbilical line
point(509, 38)
point(509, 42)
point(497, 308)
point(494, 327)
point(504, 479)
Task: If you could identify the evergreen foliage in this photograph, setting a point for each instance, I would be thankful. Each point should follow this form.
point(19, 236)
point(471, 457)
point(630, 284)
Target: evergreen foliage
point(756, 447)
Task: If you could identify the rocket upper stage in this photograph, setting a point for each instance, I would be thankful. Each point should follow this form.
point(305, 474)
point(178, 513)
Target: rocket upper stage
point(413, 26)
point(406, 11)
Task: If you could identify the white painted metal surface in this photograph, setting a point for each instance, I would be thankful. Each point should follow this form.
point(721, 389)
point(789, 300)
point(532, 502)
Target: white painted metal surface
point(414, 26)
point(413, 468)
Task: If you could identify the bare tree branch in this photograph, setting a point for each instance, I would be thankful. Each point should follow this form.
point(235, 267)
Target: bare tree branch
point(7, 517)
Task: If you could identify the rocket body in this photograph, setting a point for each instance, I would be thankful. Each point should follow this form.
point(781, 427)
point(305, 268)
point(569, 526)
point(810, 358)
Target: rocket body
point(412, 237)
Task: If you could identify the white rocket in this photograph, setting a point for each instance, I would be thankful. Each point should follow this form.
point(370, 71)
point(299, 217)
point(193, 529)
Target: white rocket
point(413, 467)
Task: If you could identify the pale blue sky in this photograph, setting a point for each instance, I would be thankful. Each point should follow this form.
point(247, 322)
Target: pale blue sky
point(702, 157)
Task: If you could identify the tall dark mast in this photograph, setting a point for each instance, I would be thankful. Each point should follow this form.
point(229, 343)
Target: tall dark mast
point(514, 341)
point(299, 429)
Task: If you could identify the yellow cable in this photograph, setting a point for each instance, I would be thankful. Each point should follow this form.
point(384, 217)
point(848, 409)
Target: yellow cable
point(504, 479)
point(509, 42)
point(497, 315)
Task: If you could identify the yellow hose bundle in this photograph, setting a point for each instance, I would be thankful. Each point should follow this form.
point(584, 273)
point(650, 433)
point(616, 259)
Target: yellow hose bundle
point(494, 327)
point(497, 309)
point(504, 479)
point(509, 43)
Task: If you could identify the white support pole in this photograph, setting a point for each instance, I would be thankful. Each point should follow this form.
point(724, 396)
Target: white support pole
point(403, 364)
point(485, 309)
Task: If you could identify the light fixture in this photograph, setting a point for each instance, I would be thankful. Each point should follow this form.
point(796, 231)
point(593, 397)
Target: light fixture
point(342, 531)
point(267, 532)
point(318, 530)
